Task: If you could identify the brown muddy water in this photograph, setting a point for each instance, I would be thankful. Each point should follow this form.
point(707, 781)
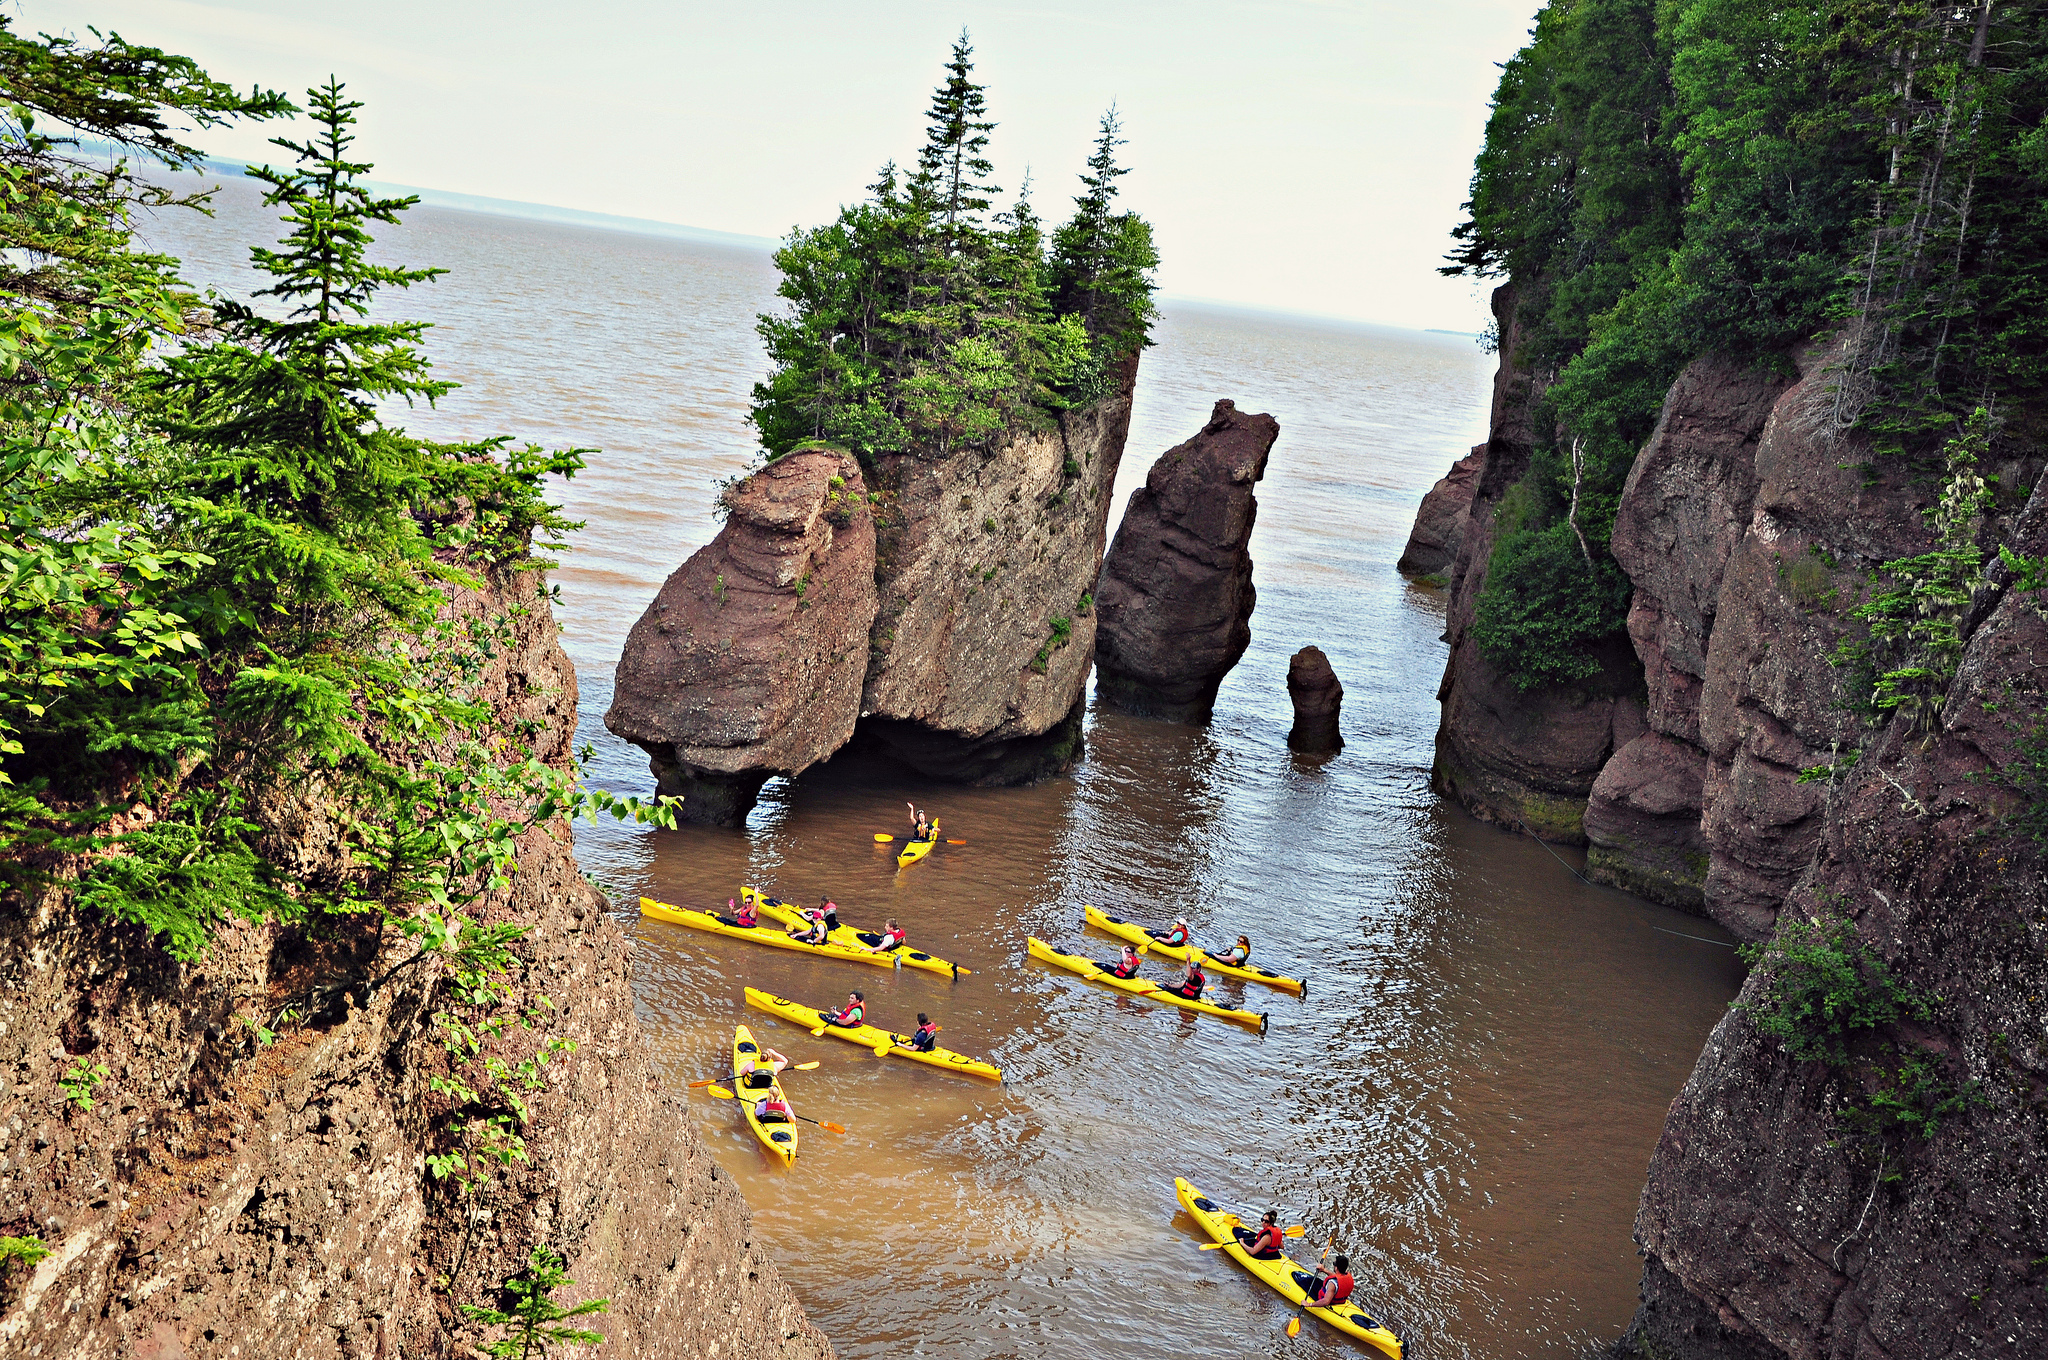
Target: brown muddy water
point(1468, 1095)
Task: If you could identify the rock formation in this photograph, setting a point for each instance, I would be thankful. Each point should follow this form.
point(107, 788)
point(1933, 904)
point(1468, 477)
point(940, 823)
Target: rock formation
point(226, 1197)
point(1446, 509)
point(749, 662)
point(1509, 757)
point(1176, 594)
point(1894, 1205)
point(1317, 697)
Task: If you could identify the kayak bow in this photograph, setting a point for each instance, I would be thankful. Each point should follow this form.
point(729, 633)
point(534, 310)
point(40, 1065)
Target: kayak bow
point(867, 1036)
point(1137, 934)
point(850, 937)
point(1151, 991)
point(912, 852)
point(1287, 1278)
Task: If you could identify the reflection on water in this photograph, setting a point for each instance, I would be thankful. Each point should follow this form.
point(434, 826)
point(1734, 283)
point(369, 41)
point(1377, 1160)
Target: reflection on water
point(1467, 1096)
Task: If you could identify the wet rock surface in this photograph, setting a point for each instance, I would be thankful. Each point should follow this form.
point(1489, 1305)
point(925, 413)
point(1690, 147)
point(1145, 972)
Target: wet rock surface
point(224, 1197)
point(749, 662)
point(1440, 523)
point(1317, 697)
point(1176, 593)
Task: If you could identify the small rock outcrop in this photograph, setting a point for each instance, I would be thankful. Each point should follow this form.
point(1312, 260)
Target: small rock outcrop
point(1176, 593)
point(749, 662)
point(1440, 522)
point(1317, 697)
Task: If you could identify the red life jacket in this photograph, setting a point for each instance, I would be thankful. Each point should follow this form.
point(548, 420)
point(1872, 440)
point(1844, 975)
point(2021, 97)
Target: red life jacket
point(1341, 1292)
point(1267, 1238)
point(1191, 988)
point(892, 938)
point(851, 1016)
point(1126, 968)
point(1177, 937)
point(745, 915)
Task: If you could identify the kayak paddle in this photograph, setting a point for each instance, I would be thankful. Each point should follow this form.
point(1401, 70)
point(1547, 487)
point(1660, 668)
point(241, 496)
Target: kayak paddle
point(1292, 1230)
point(824, 1124)
point(1294, 1323)
point(800, 1067)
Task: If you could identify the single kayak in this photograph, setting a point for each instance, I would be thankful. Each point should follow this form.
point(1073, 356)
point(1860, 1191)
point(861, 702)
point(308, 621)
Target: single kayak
point(912, 852)
point(867, 1036)
point(1285, 1276)
point(1137, 934)
point(1151, 991)
point(778, 1138)
point(849, 937)
point(772, 936)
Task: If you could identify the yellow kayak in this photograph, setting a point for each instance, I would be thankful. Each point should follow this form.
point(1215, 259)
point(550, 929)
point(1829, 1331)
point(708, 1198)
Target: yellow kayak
point(913, 851)
point(849, 937)
point(1136, 934)
point(771, 936)
point(867, 1036)
point(778, 1138)
point(1151, 991)
point(1285, 1276)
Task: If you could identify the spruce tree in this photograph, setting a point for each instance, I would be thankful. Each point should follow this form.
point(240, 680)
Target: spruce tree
point(953, 166)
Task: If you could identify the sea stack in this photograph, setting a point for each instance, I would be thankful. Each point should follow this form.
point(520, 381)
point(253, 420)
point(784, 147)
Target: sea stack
point(1317, 697)
point(749, 663)
point(1176, 593)
point(1441, 519)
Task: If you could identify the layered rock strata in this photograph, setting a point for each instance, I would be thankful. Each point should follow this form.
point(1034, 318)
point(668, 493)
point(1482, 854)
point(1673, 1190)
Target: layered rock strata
point(1318, 699)
point(1519, 759)
point(1176, 594)
point(750, 660)
point(1446, 510)
point(226, 1197)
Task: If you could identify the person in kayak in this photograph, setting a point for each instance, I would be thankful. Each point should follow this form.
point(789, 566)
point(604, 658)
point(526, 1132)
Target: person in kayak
point(920, 828)
point(772, 1109)
point(852, 1015)
point(1236, 956)
point(829, 909)
point(925, 1038)
point(1194, 980)
point(892, 937)
point(813, 931)
point(743, 914)
point(1176, 936)
point(1265, 1244)
point(1332, 1286)
point(754, 1077)
point(1126, 966)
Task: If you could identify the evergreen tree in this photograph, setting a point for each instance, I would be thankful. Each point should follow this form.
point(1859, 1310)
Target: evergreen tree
point(1102, 261)
point(953, 165)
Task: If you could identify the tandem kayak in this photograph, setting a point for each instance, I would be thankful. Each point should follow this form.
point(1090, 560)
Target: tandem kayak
point(850, 937)
point(867, 1036)
point(1137, 934)
point(772, 936)
point(1151, 991)
point(912, 852)
point(1285, 1276)
point(778, 1138)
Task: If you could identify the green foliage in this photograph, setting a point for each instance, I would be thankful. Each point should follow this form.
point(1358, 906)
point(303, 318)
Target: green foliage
point(1915, 641)
point(27, 1250)
point(531, 1325)
point(918, 321)
point(1545, 608)
point(80, 1081)
point(1822, 985)
point(1913, 1097)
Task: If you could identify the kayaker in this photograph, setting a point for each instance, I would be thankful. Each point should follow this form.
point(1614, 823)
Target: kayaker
point(852, 1015)
point(1236, 956)
point(920, 829)
point(1332, 1286)
point(829, 909)
point(742, 914)
point(1265, 1244)
point(1193, 980)
point(814, 930)
point(1127, 963)
point(925, 1038)
point(772, 1109)
point(892, 937)
point(1174, 937)
point(754, 1078)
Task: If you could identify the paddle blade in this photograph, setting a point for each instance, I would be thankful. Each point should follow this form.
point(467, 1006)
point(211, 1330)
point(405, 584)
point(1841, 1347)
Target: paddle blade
point(883, 838)
point(830, 1127)
point(1294, 1325)
point(721, 1093)
point(1298, 1230)
point(810, 1066)
point(700, 1085)
point(956, 842)
point(882, 1050)
point(1214, 1246)
point(818, 1033)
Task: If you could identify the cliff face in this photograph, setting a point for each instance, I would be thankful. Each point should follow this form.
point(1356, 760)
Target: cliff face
point(1893, 1204)
point(750, 660)
point(1510, 757)
point(224, 1197)
point(1176, 596)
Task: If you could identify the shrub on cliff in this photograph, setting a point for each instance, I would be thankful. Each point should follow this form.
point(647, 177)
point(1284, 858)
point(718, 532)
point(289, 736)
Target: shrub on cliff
point(920, 320)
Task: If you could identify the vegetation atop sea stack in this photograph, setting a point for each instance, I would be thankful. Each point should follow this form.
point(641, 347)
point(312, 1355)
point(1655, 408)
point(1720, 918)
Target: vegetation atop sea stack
point(1666, 179)
point(921, 320)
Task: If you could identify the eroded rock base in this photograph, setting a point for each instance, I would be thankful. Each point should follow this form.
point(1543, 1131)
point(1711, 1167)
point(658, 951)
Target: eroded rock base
point(998, 762)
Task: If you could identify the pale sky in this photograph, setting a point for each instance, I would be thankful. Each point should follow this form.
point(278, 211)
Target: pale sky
point(1301, 156)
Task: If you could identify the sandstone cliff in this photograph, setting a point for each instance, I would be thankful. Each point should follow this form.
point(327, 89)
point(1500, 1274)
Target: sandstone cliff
point(750, 660)
point(1508, 757)
point(1440, 522)
point(1176, 594)
point(224, 1197)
